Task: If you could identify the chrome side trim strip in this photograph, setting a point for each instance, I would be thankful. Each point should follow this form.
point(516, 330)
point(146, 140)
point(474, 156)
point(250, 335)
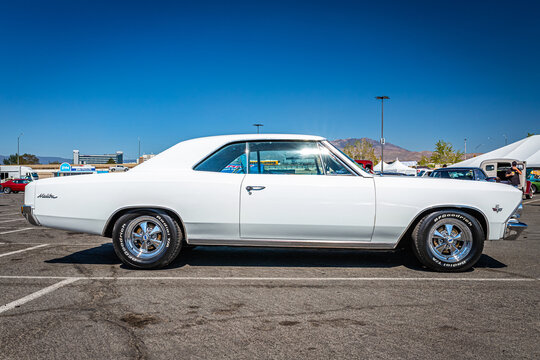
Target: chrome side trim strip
point(294, 243)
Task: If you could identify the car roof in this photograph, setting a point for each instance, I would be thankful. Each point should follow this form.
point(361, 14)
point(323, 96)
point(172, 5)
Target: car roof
point(186, 154)
point(457, 168)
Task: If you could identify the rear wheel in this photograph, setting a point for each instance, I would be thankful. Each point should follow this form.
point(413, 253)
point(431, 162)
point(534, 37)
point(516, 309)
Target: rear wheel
point(7, 190)
point(147, 239)
point(534, 189)
point(448, 241)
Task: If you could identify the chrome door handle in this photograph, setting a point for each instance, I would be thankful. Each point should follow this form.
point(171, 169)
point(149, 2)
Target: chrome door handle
point(254, 188)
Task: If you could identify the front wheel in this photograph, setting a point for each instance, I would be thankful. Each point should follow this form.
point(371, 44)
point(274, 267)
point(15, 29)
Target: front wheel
point(147, 239)
point(448, 241)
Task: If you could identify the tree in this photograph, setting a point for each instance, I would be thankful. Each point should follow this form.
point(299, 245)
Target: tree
point(444, 153)
point(424, 161)
point(111, 161)
point(25, 159)
point(54, 162)
point(361, 150)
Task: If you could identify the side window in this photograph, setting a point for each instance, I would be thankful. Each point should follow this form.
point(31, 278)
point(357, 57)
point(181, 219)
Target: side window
point(490, 167)
point(229, 159)
point(284, 157)
point(332, 166)
point(479, 175)
point(435, 174)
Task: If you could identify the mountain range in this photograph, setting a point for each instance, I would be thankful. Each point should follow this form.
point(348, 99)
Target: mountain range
point(391, 151)
point(43, 159)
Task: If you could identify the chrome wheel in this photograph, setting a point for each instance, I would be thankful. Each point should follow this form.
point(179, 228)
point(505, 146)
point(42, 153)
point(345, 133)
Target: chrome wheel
point(450, 241)
point(145, 238)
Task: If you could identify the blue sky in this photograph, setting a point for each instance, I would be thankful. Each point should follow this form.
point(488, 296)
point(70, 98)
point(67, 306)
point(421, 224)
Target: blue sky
point(96, 75)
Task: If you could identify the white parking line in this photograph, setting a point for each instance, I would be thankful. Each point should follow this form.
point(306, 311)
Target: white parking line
point(232, 278)
point(12, 231)
point(5, 221)
point(37, 294)
point(23, 250)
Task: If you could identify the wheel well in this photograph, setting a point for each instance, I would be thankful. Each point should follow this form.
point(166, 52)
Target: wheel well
point(407, 236)
point(112, 220)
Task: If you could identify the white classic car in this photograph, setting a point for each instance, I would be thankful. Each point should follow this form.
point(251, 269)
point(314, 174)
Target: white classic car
point(275, 190)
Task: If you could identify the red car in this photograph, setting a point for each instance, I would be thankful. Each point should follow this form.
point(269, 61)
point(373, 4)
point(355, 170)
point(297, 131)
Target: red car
point(366, 164)
point(14, 185)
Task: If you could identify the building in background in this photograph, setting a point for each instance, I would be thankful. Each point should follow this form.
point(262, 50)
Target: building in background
point(144, 158)
point(79, 159)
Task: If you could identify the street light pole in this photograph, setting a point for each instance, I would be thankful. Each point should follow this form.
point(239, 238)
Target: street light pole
point(258, 126)
point(382, 98)
point(465, 149)
point(18, 152)
point(505, 139)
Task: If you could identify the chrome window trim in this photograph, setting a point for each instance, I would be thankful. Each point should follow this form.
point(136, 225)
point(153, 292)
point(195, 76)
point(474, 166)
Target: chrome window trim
point(338, 160)
point(339, 157)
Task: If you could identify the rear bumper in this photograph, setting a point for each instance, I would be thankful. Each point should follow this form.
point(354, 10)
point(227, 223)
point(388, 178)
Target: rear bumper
point(28, 214)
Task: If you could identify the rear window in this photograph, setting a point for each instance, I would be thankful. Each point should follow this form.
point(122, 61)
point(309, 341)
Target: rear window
point(229, 159)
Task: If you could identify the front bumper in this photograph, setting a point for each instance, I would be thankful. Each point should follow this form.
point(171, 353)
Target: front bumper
point(513, 230)
point(514, 227)
point(27, 213)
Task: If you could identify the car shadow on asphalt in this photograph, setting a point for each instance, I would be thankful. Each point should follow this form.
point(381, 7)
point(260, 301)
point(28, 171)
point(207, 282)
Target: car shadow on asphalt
point(100, 255)
point(207, 256)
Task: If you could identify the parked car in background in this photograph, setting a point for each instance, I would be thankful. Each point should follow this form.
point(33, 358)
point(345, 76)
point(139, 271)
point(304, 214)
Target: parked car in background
point(14, 186)
point(463, 173)
point(284, 191)
point(366, 164)
point(533, 175)
point(118, 168)
point(495, 169)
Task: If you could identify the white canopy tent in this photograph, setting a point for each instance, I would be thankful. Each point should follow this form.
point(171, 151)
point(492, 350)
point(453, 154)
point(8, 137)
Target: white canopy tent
point(378, 167)
point(398, 167)
point(527, 149)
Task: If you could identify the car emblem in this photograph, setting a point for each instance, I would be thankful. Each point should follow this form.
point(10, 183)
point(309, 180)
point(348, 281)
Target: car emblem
point(497, 208)
point(47, 196)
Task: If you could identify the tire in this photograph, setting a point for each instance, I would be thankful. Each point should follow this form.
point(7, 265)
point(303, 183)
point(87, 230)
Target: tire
point(440, 252)
point(7, 190)
point(534, 189)
point(133, 244)
point(112, 170)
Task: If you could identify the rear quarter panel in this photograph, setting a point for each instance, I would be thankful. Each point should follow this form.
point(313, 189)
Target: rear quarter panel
point(85, 203)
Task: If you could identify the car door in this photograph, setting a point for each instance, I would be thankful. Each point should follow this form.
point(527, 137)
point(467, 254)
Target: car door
point(18, 185)
point(300, 190)
point(213, 201)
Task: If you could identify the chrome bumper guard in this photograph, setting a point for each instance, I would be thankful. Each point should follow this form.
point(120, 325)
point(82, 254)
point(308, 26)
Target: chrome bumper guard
point(514, 227)
point(27, 213)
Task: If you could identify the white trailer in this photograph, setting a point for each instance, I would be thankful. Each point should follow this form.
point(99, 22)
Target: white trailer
point(16, 172)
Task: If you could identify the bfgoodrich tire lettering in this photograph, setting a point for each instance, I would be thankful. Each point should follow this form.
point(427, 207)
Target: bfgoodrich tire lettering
point(448, 241)
point(147, 239)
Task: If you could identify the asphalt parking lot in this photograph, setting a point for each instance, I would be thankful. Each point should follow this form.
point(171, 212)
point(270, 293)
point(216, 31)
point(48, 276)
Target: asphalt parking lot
point(66, 295)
